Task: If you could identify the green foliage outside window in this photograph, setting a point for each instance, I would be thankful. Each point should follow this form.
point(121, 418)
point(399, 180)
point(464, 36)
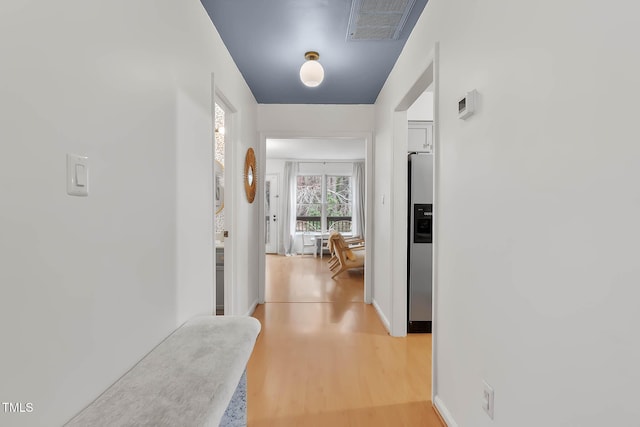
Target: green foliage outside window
point(309, 198)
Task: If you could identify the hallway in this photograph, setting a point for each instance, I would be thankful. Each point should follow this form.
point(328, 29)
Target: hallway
point(323, 357)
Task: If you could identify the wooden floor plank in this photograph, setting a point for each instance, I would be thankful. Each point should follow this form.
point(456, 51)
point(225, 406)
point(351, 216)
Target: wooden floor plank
point(323, 357)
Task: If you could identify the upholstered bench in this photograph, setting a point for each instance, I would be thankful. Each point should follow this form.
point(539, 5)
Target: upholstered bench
point(189, 379)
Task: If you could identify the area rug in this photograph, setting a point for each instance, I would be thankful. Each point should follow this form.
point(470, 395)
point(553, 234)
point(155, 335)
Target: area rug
point(236, 413)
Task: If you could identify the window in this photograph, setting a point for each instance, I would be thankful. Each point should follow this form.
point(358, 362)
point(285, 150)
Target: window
point(309, 203)
point(338, 197)
point(323, 202)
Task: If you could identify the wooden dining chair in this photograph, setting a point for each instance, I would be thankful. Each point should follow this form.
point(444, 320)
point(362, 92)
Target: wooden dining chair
point(345, 256)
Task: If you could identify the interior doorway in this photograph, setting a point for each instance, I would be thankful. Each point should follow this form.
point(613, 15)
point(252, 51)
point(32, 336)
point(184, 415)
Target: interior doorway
point(218, 197)
point(420, 213)
point(224, 153)
point(324, 170)
point(427, 81)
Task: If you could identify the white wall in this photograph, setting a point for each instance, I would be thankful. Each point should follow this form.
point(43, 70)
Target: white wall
point(315, 120)
point(537, 210)
point(275, 166)
point(89, 285)
point(422, 108)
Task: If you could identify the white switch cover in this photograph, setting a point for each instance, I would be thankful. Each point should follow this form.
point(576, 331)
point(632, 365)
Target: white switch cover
point(487, 399)
point(77, 175)
point(81, 175)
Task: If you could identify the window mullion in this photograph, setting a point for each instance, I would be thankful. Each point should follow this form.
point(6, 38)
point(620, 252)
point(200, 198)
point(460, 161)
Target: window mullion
point(324, 222)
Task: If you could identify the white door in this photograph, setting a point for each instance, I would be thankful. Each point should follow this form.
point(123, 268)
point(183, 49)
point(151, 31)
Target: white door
point(271, 203)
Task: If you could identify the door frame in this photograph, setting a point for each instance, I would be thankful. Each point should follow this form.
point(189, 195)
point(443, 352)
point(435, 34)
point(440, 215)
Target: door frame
point(429, 75)
point(230, 154)
point(262, 159)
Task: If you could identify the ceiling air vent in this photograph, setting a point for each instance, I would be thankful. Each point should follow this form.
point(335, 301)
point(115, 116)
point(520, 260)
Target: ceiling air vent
point(378, 19)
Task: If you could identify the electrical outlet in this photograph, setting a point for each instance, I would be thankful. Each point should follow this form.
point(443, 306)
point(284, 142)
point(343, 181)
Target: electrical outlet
point(487, 399)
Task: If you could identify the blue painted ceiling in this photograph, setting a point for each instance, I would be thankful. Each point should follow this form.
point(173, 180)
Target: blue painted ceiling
point(268, 38)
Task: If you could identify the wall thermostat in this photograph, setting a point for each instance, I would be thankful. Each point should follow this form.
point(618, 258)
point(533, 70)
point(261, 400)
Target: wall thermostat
point(467, 104)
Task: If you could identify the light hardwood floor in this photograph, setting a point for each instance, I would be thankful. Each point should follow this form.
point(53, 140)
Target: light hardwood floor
point(323, 357)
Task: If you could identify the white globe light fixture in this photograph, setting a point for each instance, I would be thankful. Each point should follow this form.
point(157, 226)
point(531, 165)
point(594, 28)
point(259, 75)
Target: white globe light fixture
point(311, 72)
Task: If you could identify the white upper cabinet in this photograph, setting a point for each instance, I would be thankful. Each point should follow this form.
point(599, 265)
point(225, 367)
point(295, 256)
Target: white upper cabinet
point(420, 136)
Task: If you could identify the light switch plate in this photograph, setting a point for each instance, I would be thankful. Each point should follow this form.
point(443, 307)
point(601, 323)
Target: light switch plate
point(77, 175)
point(487, 398)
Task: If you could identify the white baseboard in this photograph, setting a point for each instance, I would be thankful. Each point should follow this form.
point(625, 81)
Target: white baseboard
point(382, 317)
point(252, 308)
point(444, 412)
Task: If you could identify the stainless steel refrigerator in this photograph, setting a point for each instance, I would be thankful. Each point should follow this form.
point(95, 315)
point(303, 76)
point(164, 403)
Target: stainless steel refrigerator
point(420, 248)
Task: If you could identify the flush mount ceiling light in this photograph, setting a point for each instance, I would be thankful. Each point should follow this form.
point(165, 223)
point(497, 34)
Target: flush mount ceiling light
point(311, 72)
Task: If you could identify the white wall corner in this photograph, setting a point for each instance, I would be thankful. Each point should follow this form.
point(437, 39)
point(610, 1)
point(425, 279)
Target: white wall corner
point(399, 225)
point(252, 308)
point(382, 316)
point(444, 412)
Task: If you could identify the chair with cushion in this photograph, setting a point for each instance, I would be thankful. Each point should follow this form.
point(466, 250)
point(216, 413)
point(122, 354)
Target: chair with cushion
point(354, 243)
point(345, 256)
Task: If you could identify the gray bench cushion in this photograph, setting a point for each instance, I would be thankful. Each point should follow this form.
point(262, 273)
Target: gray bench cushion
point(187, 380)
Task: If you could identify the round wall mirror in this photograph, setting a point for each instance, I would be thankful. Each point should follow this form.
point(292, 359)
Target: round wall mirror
point(250, 175)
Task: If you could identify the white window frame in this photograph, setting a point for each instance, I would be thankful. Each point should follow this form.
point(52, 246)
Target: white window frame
point(324, 222)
